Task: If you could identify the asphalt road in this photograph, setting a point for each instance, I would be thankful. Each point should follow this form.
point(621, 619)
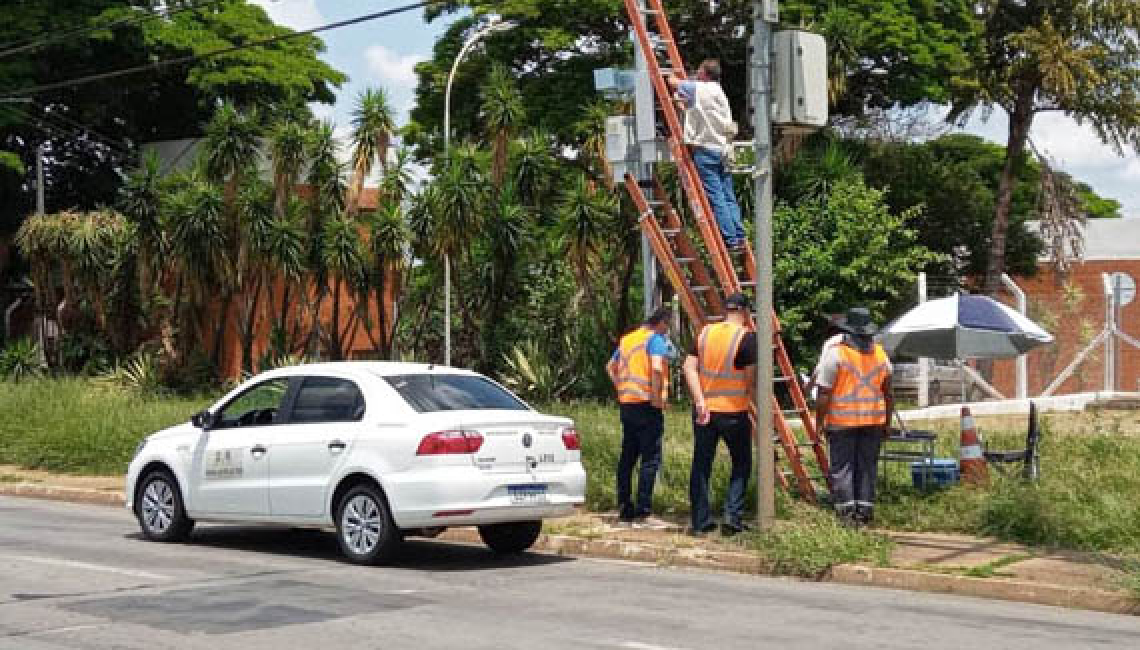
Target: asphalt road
point(75, 576)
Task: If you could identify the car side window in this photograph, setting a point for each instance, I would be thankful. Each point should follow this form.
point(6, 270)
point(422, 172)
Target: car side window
point(260, 405)
point(327, 399)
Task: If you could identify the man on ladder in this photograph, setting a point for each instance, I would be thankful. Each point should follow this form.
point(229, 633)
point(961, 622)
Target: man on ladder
point(854, 409)
point(720, 373)
point(709, 130)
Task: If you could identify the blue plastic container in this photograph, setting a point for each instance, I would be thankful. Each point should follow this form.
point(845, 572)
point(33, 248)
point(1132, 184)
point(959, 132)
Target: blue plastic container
point(941, 472)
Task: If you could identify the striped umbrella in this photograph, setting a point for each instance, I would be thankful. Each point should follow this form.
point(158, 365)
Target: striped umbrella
point(962, 327)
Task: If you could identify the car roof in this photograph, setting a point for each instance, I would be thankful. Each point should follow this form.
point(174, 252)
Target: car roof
point(380, 368)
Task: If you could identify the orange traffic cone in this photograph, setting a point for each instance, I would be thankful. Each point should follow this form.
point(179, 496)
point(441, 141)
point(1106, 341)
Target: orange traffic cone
point(972, 462)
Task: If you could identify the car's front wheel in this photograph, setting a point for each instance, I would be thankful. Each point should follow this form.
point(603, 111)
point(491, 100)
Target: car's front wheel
point(365, 530)
point(160, 512)
point(514, 537)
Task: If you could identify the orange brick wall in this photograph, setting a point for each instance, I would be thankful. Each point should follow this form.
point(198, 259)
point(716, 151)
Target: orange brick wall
point(1074, 316)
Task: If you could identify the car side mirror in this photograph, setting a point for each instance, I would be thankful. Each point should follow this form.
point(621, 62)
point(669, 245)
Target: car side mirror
point(204, 420)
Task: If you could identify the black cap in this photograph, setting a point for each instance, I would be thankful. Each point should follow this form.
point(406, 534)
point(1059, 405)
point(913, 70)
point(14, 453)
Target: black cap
point(857, 321)
point(737, 301)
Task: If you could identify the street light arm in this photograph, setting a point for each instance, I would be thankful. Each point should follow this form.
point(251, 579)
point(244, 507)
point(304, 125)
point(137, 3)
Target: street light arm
point(472, 40)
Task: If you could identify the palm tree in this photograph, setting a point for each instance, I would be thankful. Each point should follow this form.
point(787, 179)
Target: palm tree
point(388, 243)
point(372, 127)
point(195, 222)
point(286, 260)
point(592, 129)
point(287, 151)
point(256, 212)
point(231, 150)
point(342, 253)
point(397, 181)
point(326, 199)
point(502, 109)
point(585, 220)
point(533, 164)
point(141, 201)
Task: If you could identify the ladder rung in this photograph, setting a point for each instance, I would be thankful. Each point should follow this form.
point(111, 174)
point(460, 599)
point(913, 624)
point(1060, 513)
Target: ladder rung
point(715, 317)
point(671, 231)
point(686, 260)
point(790, 411)
point(748, 283)
point(701, 288)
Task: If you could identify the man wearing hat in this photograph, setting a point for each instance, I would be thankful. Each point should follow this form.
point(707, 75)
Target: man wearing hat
point(720, 375)
point(854, 408)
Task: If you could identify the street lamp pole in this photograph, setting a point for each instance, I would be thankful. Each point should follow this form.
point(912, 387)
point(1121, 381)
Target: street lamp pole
point(494, 26)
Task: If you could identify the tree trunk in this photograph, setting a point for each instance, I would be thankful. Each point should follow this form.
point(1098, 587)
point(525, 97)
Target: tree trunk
point(249, 326)
point(335, 350)
point(220, 331)
point(1020, 121)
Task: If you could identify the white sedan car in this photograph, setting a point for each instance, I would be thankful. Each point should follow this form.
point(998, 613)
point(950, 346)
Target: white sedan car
point(378, 450)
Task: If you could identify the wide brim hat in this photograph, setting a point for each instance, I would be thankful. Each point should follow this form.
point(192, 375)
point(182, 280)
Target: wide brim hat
point(858, 321)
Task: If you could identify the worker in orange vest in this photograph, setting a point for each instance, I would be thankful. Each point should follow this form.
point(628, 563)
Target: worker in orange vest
point(720, 373)
point(854, 408)
point(639, 371)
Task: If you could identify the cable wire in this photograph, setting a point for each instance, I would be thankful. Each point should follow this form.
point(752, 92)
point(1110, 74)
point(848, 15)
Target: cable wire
point(35, 44)
point(33, 90)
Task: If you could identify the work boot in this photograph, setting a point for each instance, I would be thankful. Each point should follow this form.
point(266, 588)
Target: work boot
point(847, 514)
point(864, 515)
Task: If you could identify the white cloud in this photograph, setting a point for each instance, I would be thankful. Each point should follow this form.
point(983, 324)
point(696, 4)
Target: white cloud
point(295, 14)
point(392, 68)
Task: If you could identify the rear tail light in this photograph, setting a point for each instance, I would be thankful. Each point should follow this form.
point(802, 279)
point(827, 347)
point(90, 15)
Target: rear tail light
point(450, 442)
point(570, 439)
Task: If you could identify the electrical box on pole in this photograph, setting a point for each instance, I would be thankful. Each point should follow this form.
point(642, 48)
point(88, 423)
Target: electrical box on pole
point(799, 79)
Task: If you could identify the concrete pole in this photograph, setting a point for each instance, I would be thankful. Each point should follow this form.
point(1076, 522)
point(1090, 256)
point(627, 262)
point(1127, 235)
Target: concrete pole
point(923, 362)
point(1022, 367)
point(765, 14)
point(645, 113)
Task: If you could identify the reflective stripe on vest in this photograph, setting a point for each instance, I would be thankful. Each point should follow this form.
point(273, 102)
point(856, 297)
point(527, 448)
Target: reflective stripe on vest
point(634, 367)
point(857, 398)
point(724, 386)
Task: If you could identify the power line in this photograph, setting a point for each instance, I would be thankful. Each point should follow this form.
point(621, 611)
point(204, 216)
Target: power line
point(35, 44)
point(69, 133)
point(60, 117)
point(32, 90)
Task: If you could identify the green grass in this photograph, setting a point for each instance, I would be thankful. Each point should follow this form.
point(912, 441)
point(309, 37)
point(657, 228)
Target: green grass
point(77, 426)
point(811, 541)
point(1085, 500)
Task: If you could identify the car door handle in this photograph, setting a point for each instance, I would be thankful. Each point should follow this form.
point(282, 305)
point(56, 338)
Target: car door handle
point(258, 450)
point(337, 445)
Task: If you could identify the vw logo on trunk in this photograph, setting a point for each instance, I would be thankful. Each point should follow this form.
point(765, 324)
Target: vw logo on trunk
point(527, 440)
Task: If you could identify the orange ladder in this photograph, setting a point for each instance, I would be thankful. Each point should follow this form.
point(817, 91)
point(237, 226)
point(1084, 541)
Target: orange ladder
point(684, 263)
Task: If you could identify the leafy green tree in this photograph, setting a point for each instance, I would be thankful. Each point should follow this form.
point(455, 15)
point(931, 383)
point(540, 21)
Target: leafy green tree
point(342, 253)
point(837, 249)
point(83, 163)
point(1078, 57)
point(388, 241)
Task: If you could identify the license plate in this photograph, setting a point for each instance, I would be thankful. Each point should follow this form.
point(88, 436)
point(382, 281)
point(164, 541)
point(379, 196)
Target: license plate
point(527, 493)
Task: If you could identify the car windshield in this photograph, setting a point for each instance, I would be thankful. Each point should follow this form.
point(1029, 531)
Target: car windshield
point(428, 393)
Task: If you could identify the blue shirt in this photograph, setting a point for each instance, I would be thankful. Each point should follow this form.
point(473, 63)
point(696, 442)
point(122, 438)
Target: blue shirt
point(657, 346)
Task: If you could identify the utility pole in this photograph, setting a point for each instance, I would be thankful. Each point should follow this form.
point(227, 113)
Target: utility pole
point(765, 14)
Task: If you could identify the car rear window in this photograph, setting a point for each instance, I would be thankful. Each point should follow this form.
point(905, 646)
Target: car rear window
point(428, 393)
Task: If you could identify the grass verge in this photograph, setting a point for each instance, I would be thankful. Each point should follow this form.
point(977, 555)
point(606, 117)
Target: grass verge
point(77, 426)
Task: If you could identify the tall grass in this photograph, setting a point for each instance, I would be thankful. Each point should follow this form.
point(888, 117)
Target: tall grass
point(1087, 498)
point(77, 426)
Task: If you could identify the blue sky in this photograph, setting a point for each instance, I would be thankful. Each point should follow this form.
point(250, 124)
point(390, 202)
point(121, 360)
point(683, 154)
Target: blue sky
point(384, 52)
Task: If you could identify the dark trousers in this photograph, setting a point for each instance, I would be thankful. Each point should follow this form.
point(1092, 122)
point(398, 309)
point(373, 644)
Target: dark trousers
point(736, 431)
point(642, 427)
point(854, 466)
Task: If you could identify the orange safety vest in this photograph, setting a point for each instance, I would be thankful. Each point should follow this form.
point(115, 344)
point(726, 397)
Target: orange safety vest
point(724, 386)
point(634, 368)
point(857, 398)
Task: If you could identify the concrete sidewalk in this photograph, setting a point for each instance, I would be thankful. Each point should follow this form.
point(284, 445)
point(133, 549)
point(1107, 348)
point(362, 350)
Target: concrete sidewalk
point(940, 563)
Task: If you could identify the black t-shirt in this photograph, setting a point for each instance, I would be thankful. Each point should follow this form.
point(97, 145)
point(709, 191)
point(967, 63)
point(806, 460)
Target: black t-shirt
point(745, 354)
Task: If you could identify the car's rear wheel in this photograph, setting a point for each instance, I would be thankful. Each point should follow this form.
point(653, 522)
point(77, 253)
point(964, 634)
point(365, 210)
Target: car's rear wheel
point(514, 537)
point(365, 530)
point(160, 512)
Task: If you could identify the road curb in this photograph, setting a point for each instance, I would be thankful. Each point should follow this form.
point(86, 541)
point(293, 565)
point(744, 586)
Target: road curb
point(56, 493)
point(992, 588)
point(738, 562)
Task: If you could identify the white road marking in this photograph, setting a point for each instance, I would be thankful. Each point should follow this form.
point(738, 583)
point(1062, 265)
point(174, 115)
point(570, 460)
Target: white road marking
point(637, 645)
point(70, 628)
point(72, 564)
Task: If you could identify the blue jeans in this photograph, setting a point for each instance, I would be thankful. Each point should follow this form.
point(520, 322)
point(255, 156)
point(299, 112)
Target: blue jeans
point(736, 431)
point(642, 426)
point(717, 180)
